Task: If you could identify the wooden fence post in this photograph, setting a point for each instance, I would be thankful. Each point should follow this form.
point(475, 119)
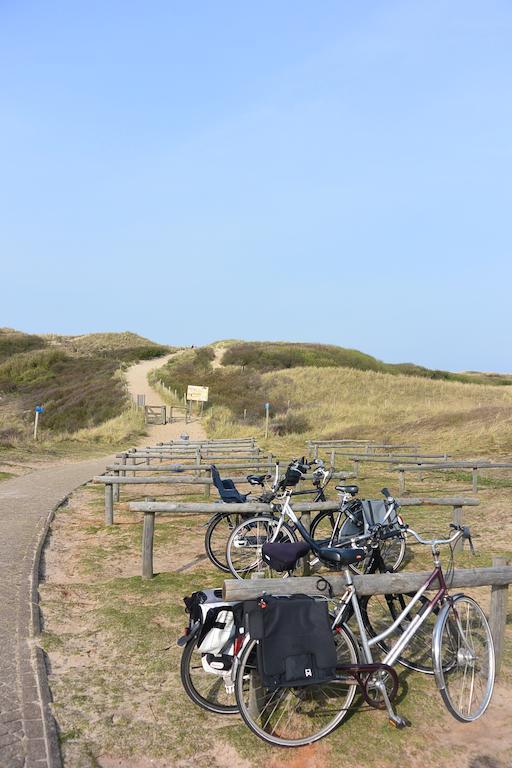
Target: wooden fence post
point(109, 504)
point(401, 481)
point(458, 519)
point(333, 459)
point(355, 466)
point(148, 532)
point(498, 617)
point(474, 478)
point(116, 488)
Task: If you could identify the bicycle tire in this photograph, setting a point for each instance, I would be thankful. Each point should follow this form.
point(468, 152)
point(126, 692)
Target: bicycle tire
point(392, 550)
point(255, 528)
point(217, 553)
point(253, 699)
point(213, 696)
point(462, 648)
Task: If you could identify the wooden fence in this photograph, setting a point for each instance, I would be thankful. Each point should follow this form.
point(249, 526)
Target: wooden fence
point(498, 578)
point(113, 482)
point(151, 508)
point(155, 414)
point(314, 446)
point(474, 466)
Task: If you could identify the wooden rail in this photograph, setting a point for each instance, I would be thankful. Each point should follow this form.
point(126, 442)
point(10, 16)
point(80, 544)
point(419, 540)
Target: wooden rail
point(305, 508)
point(315, 445)
point(391, 460)
point(112, 482)
point(427, 467)
point(499, 577)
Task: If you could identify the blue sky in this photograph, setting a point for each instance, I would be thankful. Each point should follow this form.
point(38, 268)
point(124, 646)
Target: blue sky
point(333, 171)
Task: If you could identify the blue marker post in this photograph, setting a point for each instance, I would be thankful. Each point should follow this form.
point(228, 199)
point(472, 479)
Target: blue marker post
point(267, 411)
point(38, 409)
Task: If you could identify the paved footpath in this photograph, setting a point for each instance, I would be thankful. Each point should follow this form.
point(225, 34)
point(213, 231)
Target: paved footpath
point(28, 736)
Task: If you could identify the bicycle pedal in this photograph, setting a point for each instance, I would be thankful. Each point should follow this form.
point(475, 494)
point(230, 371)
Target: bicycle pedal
point(399, 722)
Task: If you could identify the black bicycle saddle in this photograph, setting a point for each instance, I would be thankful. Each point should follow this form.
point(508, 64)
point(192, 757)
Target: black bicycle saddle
point(353, 490)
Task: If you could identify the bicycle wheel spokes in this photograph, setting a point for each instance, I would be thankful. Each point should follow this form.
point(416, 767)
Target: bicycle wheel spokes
point(464, 659)
point(244, 550)
point(294, 716)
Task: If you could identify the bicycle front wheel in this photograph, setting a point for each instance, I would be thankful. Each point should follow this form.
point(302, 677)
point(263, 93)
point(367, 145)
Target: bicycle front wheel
point(243, 552)
point(463, 656)
point(294, 717)
point(216, 537)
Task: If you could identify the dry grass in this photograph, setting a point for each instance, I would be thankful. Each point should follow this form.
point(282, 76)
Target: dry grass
point(97, 343)
point(463, 419)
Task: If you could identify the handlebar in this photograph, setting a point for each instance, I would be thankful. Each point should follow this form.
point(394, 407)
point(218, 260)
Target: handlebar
point(460, 531)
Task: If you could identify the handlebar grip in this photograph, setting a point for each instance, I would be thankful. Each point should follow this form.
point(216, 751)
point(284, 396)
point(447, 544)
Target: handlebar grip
point(386, 493)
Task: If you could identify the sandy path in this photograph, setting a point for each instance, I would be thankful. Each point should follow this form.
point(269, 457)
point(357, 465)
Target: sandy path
point(137, 381)
point(219, 354)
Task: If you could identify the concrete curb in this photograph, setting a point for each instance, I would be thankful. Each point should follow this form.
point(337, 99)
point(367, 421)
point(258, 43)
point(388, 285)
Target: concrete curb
point(50, 728)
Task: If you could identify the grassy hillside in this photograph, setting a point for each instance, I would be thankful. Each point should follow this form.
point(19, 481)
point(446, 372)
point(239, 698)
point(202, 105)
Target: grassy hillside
point(269, 356)
point(124, 346)
point(13, 342)
point(329, 400)
point(77, 379)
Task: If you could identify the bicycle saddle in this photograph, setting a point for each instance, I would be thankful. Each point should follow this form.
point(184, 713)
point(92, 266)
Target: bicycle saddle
point(341, 557)
point(283, 556)
point(256, 479)
point(353, 490)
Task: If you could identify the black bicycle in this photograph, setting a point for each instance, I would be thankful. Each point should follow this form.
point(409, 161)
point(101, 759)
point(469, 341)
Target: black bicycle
point(222, 524)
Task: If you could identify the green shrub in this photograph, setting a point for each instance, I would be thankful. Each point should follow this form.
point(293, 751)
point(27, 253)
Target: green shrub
point(14, 342)
point(269, 356)
point(289, 424)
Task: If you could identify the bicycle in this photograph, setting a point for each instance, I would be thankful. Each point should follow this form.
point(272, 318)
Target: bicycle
point(221, 525)
point(244, 551)
point(348, 522)
point(215, 692)
point(462, 655)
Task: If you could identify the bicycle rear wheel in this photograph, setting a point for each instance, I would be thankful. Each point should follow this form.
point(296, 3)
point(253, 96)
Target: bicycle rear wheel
point(205, 689)
point(463, 656)
point(243, 552)
point(294, 717)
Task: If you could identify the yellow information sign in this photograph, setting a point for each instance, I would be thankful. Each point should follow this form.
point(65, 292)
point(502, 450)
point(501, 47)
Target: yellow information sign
point(197, 393)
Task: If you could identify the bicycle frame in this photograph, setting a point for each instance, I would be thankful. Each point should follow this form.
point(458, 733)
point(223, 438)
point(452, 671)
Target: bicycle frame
point(287, 512)
point(350, 598)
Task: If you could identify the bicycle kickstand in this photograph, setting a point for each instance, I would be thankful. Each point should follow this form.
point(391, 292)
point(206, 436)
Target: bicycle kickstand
point(394, 718)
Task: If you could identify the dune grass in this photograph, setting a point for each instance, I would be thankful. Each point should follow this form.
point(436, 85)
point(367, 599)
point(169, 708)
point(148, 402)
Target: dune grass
point(79, 382)
point(267, 356)
point(469, 420)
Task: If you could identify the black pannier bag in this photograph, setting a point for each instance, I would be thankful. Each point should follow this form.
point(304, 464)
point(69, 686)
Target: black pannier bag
point(296, 643)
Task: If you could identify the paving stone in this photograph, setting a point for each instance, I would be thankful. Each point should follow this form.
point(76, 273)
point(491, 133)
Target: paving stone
point(25, 503)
